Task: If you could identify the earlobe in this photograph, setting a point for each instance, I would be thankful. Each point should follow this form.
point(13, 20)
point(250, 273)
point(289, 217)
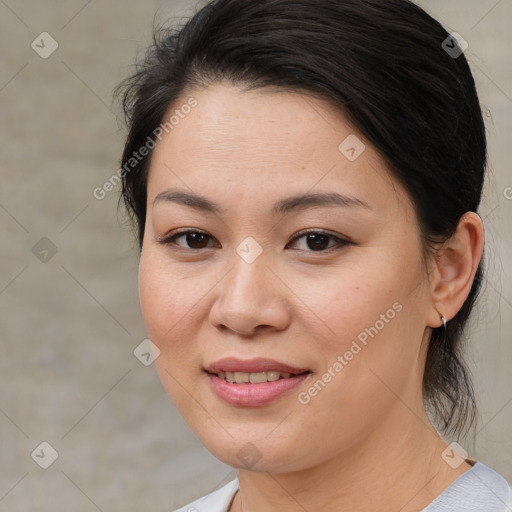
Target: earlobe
point(454, 269)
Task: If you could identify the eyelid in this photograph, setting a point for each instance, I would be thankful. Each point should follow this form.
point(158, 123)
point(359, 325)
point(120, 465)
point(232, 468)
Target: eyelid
point(341, 240)
point(319, 231)
point(168, 239)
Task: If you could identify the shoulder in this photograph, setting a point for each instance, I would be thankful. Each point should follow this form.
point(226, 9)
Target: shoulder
point(217, 501)
point(481, 489)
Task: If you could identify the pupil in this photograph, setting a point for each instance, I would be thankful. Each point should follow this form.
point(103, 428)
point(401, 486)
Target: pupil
point(194, 238)
point(317, 241)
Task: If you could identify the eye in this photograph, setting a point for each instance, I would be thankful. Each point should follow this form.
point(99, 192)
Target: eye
point(315, 241)
point(318, 241)
point(194, 239)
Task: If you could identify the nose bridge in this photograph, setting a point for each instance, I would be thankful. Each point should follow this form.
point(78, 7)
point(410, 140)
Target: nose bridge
point(248, 277)
point(248, 297)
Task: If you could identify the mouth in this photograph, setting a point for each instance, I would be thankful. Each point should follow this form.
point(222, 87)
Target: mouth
point(254, 382)
point(254, 378)
point(253, 371)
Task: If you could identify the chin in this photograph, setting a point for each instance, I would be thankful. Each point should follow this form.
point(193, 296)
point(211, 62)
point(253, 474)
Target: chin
point(254, 453)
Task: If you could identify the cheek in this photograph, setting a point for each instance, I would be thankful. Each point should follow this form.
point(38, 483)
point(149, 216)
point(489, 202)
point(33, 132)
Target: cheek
point(168, 304)
point(165, 296)
point(367, 327)
point(348, 303)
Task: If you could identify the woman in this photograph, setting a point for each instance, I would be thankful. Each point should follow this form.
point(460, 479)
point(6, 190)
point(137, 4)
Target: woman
point(305, 176)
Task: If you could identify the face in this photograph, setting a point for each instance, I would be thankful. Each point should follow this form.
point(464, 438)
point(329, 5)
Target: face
point(326, 294)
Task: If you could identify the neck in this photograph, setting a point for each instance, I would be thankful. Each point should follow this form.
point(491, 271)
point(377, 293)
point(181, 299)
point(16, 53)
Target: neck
point(398, 467)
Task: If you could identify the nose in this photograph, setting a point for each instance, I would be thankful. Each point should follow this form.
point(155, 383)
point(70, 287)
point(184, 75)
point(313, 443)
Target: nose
point(251, 298)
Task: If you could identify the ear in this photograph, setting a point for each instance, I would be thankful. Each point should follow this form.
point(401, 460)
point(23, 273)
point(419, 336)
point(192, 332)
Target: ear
point(454, 269)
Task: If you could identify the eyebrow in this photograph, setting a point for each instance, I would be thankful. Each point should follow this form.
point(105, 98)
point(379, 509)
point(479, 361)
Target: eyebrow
point(282, 207)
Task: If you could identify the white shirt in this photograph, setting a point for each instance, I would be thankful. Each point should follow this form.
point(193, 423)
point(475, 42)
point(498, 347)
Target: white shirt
point(480, 489)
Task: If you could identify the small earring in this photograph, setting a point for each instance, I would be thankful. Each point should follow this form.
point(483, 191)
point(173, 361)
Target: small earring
point(444, 321)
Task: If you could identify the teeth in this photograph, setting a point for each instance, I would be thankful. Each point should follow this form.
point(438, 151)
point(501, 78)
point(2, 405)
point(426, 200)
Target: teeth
point(253, 378)
point(241, 377)
point(256, 378)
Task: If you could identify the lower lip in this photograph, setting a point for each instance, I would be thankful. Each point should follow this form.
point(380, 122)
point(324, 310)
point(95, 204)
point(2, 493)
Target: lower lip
point(253, 395)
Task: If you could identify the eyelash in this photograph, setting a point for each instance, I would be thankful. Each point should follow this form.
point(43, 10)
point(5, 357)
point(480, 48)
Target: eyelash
point(341, 242)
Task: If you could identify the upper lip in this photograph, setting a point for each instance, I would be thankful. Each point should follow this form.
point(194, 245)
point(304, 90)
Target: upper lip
point(259, 364)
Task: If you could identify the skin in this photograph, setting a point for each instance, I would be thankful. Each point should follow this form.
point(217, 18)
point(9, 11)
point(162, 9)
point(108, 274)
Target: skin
point(364, 442)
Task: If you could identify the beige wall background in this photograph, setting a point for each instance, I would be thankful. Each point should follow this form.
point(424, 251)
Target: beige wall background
point(70, 317)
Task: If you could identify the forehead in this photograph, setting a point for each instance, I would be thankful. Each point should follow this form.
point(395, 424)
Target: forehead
point(264, 143)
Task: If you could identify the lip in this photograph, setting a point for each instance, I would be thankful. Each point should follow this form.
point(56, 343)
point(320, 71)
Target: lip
point(249, 394)
point(253, 395)
point(259, 364)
